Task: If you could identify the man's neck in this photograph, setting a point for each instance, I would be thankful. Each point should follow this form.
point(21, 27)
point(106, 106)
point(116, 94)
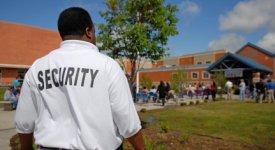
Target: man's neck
point(72, 37)
point(76, 37)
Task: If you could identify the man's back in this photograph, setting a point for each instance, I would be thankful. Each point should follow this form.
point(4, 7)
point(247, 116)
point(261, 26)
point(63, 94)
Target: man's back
point(75, 83)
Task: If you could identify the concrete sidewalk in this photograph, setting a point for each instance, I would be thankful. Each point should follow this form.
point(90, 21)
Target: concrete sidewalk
point(7, 128)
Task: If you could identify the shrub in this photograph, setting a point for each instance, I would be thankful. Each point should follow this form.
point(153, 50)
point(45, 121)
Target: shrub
point(164, 127)
point(149, 145)
point(143, 110)
point(185, 137)
point(182, 104)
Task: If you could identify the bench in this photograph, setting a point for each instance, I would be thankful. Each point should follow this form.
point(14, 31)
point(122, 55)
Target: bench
point(7, 105)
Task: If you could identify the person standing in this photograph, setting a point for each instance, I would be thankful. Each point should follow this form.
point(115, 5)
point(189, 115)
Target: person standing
point(242, 90)
point(16, 82)
point(153, 93)
point(162, 92)
point(228, 86)
point(253, 91)
point(9, 96)
point(213, 89)
point(167, 90)
point(76, 97)
point(270, 90)
point(260, 91)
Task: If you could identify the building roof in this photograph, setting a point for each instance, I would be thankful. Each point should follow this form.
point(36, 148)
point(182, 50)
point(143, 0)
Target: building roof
point(258, 48)
point(171, 68)
point(21, 45)
point(205, 53)
point(247, 61)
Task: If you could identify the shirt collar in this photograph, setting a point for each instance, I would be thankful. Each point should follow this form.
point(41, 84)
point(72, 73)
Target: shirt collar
point(78, 43)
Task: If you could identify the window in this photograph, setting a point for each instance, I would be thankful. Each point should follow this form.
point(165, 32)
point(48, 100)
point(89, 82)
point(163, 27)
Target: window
point(205, 75)
point(208, 62)
point(199, 63)
point(21, 72)
point(195, 75)
point(174, 76)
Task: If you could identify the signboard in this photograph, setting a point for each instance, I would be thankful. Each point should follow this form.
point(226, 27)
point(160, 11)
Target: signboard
point(231, 73)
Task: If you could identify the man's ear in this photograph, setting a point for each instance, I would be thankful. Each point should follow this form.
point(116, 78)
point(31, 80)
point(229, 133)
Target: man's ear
point(90, 35)
point(88, 32)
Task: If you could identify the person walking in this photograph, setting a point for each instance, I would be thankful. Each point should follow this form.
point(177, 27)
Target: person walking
point(76, 97)
point(162, 92)
point(242, 90)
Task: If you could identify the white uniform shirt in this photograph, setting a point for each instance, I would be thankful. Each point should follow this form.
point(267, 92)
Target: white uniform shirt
point(76, 98)
point(229, 84)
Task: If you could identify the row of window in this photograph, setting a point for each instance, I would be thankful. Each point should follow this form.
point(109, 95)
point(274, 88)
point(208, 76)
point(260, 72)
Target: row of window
point(195, 75)
point(207, 62)
point(173, 65)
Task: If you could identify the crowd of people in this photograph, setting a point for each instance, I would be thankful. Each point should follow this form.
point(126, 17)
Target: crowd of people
point(260, 91)
point(161, 93)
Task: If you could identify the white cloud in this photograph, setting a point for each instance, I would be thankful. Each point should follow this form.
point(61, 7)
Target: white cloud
point(230, 42)
point(189, 8)
point(249, 15)
point(268, 42)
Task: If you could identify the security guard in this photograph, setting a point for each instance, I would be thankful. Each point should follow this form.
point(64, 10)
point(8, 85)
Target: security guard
point(76, 97)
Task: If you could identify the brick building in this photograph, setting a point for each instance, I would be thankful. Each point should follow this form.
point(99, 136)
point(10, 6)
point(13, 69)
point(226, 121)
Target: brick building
point(259, 55)
point(249, 63)
point(194, 64)
point(20, 45)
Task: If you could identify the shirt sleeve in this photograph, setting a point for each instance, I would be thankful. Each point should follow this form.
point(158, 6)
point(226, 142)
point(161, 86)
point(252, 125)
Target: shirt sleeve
point(123, 109)
point(26, 112)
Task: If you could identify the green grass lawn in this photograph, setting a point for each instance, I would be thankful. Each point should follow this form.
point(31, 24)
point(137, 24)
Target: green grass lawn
point(2, 91)
point(242, 122)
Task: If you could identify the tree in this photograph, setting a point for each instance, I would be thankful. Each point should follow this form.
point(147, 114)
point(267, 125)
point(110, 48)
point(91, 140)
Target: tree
point(146, 82)
point(220, 80)
point(178, 79)
point(136, 30)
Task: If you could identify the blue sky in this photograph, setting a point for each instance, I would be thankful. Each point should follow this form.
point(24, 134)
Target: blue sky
point(203, 24)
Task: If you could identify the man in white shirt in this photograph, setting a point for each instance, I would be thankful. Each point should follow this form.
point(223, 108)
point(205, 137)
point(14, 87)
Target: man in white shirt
point(76, 97)
point(228, 86)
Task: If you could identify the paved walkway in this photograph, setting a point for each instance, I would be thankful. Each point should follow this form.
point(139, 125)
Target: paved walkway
point(7, 129)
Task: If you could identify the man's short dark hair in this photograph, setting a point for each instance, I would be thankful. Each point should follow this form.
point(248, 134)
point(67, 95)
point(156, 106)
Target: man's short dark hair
point(74, 21)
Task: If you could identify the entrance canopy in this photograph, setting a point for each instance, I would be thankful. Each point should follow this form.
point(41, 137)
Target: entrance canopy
point(234, 65)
